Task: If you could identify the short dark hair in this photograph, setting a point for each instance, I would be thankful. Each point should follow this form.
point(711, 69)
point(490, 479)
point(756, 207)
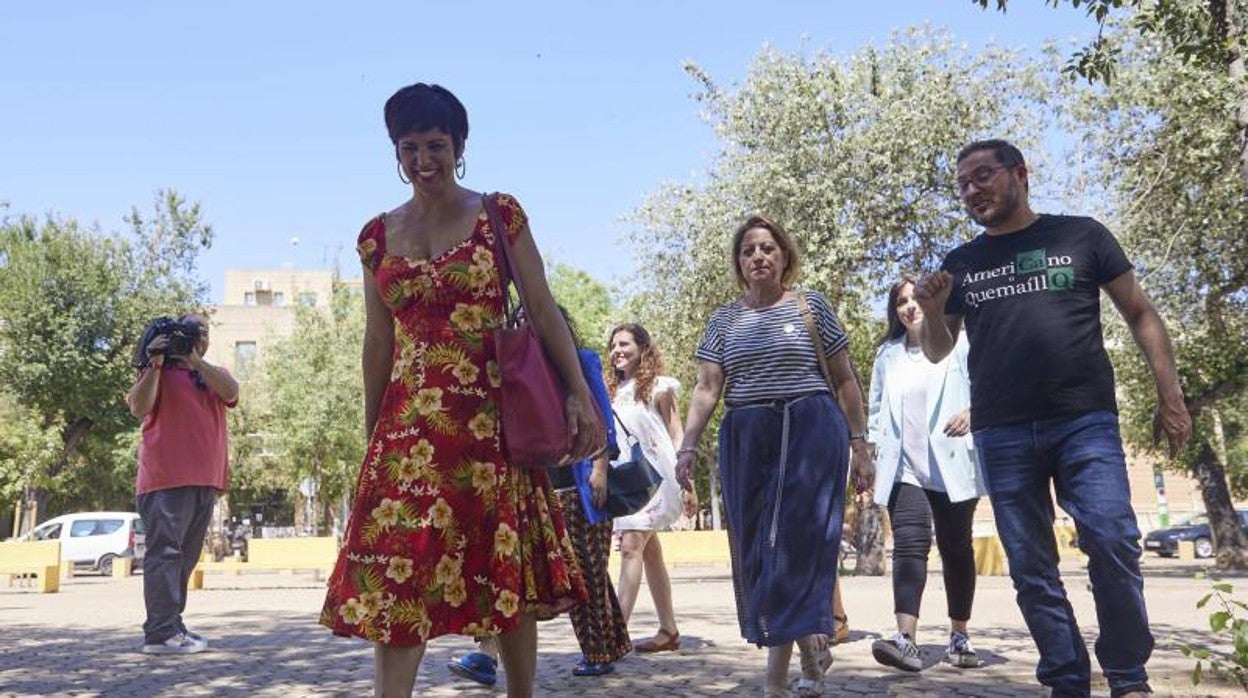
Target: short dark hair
point(421, 107)
point(1005, 152)
point(793, 258)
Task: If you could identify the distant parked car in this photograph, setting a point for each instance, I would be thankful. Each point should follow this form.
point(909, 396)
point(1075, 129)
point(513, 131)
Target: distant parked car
point(1165, 541)
point(94, 539)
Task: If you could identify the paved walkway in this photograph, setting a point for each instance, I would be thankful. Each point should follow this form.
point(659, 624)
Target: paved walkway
point(83, 641)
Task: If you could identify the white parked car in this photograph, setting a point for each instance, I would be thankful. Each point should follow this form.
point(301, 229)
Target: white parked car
point(94, 539)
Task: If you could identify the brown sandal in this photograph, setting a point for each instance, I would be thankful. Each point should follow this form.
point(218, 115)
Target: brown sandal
point(840, 629)
point(663, 641)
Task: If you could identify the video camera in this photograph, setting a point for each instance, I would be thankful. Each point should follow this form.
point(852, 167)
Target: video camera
point(182, 335)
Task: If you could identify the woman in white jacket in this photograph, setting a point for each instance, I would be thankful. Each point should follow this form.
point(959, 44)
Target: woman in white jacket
point(926, 474)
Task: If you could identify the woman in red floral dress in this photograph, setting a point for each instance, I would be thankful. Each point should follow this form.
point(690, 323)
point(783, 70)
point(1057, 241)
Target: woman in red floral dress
point(444, 536)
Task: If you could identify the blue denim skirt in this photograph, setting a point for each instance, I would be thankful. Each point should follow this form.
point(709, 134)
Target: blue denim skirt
point(783, 466)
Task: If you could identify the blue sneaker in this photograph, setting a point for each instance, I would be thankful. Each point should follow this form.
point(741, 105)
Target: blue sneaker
point(588, 668)
point(475, 666)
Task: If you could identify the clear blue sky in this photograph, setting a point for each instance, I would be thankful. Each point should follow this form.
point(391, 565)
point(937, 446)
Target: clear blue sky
point(269, 113)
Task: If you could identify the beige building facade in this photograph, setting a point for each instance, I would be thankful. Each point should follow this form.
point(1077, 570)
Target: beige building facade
point(258, 307)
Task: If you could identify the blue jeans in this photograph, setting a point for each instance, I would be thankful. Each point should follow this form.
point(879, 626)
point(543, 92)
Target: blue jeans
point(1082, 456)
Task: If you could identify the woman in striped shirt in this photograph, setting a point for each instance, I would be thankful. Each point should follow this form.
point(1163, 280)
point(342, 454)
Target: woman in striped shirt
point(784, 445)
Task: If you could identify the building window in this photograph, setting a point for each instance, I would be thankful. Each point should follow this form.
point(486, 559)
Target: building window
point(279, 299)
point(244, 359)
point(307, 299)
point(249, 298)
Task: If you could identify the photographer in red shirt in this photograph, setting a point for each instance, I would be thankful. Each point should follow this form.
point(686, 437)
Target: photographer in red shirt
point(183, 467)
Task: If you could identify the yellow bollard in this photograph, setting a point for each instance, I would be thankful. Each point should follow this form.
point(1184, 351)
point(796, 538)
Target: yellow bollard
point(122, 567)
point(989, 555)
point(1187, 550)
point(695, 547)
point(50, 579)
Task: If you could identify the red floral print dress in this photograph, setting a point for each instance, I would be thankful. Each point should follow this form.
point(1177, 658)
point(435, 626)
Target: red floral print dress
point(444, 536)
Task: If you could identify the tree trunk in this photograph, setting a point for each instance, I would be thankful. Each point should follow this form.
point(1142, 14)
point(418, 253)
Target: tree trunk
point(1233, 24)
point(71, 436)
point(868, 537)
point(344, 514)
point(1228, 537)
point(717, 522)
point(34, 509)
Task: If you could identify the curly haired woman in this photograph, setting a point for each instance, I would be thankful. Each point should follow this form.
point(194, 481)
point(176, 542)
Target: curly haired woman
point(644, 401)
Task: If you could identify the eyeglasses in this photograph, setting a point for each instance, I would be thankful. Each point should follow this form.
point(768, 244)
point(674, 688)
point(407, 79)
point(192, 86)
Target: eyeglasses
point(981, 178)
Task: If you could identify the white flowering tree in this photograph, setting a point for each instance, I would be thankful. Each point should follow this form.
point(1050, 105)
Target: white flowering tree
point(855, 157)
point(1163, 143)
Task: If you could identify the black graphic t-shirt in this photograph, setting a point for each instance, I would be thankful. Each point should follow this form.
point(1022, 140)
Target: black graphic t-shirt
point(1032, 305)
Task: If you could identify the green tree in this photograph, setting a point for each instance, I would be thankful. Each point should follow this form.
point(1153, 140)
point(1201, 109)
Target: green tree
point(588, 301)
point(72, 303)
point(311, 383)
point(1162, 139)
point(254, 473)
point(27, 449)
point(1209, 34)
point(1168, 134)
point(853, 156)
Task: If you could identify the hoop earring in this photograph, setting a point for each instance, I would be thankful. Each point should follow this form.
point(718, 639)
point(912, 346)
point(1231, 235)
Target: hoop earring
point(401, 177)
point(461, 168)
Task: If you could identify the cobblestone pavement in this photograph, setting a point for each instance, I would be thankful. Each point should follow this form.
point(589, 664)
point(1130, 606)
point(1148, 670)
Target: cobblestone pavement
point(84, 641)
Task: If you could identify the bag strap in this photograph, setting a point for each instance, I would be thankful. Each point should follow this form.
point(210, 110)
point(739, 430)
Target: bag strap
point(627, 433)
point(803, 307)
point(506, 267)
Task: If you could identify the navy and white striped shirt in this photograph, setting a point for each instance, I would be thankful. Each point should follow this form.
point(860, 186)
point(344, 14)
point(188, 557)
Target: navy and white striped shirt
point(766, 353)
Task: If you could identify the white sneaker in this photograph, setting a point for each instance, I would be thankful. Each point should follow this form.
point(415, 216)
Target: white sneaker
point(899, 651)
point(960, 653)
point(178, 644)
point(196, 638)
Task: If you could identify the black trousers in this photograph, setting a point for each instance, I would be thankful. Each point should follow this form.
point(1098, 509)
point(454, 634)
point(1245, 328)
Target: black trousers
point(913, 511)
point(175, 521)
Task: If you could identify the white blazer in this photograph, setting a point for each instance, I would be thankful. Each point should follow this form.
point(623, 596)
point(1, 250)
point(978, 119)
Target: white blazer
point(948, 392)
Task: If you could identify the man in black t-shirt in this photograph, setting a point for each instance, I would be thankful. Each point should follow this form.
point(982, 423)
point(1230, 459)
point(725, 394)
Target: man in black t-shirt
point(1043, 408)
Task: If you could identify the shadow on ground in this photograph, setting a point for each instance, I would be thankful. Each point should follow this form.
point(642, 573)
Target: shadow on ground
point(254, 654)
point(263, 652)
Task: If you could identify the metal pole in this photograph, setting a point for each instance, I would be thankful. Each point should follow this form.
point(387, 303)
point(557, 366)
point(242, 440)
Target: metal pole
point(1163, 508)
point(716, 524)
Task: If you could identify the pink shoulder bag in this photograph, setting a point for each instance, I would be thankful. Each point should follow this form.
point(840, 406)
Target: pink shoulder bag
point(535, 431)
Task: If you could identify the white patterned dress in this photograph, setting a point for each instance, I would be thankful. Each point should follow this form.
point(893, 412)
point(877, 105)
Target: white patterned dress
point(644, 423)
